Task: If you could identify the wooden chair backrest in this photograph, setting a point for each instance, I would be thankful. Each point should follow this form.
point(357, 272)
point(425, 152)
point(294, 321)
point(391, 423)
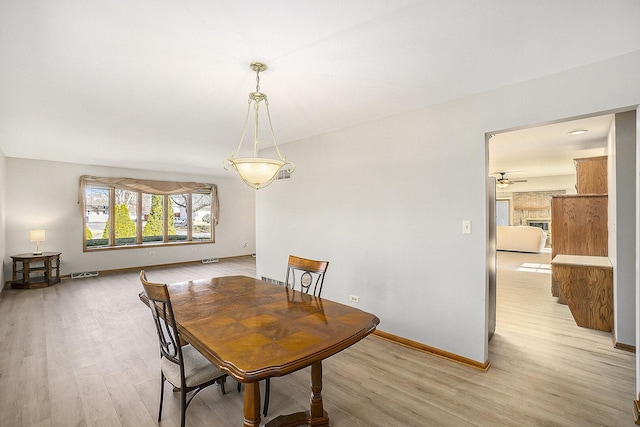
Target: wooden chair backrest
point(312, 274)
point(162, 312)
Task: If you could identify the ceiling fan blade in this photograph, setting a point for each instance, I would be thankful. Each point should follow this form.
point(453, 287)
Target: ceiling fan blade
point(503, 180)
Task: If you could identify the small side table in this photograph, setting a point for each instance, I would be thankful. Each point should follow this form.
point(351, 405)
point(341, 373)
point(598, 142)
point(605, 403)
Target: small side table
point(35, 271)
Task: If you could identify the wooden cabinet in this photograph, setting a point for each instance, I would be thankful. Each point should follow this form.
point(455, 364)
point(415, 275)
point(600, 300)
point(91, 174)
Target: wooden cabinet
point(579, 225)
point(586, 283)
point(35, 271)
point(591, 175)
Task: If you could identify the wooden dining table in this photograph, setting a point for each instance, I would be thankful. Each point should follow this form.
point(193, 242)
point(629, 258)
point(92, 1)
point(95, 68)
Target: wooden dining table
point(253, 330)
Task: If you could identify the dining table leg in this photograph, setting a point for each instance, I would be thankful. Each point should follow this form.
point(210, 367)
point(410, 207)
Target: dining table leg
point(317, 412)
point(251, 405)
point(316, 416)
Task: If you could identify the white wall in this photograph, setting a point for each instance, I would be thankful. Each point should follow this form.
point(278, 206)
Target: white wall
point(621, 218)
point(637, 253)
point(374, 201)
point(44, 194)
point(612, 201)
point(3, 213)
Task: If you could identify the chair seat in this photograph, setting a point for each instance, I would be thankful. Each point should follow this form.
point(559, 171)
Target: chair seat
point(197, 368)
point(182, 365)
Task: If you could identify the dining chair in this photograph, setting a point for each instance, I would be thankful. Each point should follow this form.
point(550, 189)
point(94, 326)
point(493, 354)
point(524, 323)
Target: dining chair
point(309, 273)
point(308, 276)
point(181, 364)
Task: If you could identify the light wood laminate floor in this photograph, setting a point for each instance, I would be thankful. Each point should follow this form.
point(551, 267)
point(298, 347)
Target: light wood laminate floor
point(69, 358)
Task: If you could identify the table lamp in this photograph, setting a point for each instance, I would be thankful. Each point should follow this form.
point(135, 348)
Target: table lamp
point(37, 236)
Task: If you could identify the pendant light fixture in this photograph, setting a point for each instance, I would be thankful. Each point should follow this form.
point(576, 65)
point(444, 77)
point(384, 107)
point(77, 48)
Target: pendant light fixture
point(257, 172)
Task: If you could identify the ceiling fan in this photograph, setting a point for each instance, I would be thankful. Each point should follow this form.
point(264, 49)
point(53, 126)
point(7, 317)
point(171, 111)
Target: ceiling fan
point(503, 182)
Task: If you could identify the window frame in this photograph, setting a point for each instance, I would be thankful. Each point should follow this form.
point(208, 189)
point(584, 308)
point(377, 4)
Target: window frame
point(166, 189)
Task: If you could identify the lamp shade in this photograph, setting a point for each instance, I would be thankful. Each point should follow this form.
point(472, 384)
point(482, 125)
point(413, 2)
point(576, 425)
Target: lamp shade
point(36, 236)
point(257, 172)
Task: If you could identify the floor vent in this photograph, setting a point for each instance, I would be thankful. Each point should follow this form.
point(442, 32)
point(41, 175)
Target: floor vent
point(274, 281)
point(84, 274)
point(209, 260)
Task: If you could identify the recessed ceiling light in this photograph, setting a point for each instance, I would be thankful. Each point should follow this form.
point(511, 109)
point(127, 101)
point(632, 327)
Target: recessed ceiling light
point(577, 132)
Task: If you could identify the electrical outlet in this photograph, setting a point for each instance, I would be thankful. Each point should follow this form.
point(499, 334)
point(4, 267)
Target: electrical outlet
point(354, 298)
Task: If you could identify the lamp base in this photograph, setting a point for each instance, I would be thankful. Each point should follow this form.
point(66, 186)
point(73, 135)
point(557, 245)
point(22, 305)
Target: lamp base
point(38, 253)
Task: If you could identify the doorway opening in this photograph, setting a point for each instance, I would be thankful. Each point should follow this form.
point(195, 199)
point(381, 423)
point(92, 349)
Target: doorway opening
point(540, 160)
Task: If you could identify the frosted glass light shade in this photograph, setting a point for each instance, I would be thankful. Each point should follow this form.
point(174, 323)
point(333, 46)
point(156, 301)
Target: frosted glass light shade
point(256, 171)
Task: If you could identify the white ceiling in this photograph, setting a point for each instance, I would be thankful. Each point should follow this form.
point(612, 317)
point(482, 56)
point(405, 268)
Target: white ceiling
point(548, 150)
point(162, 85)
